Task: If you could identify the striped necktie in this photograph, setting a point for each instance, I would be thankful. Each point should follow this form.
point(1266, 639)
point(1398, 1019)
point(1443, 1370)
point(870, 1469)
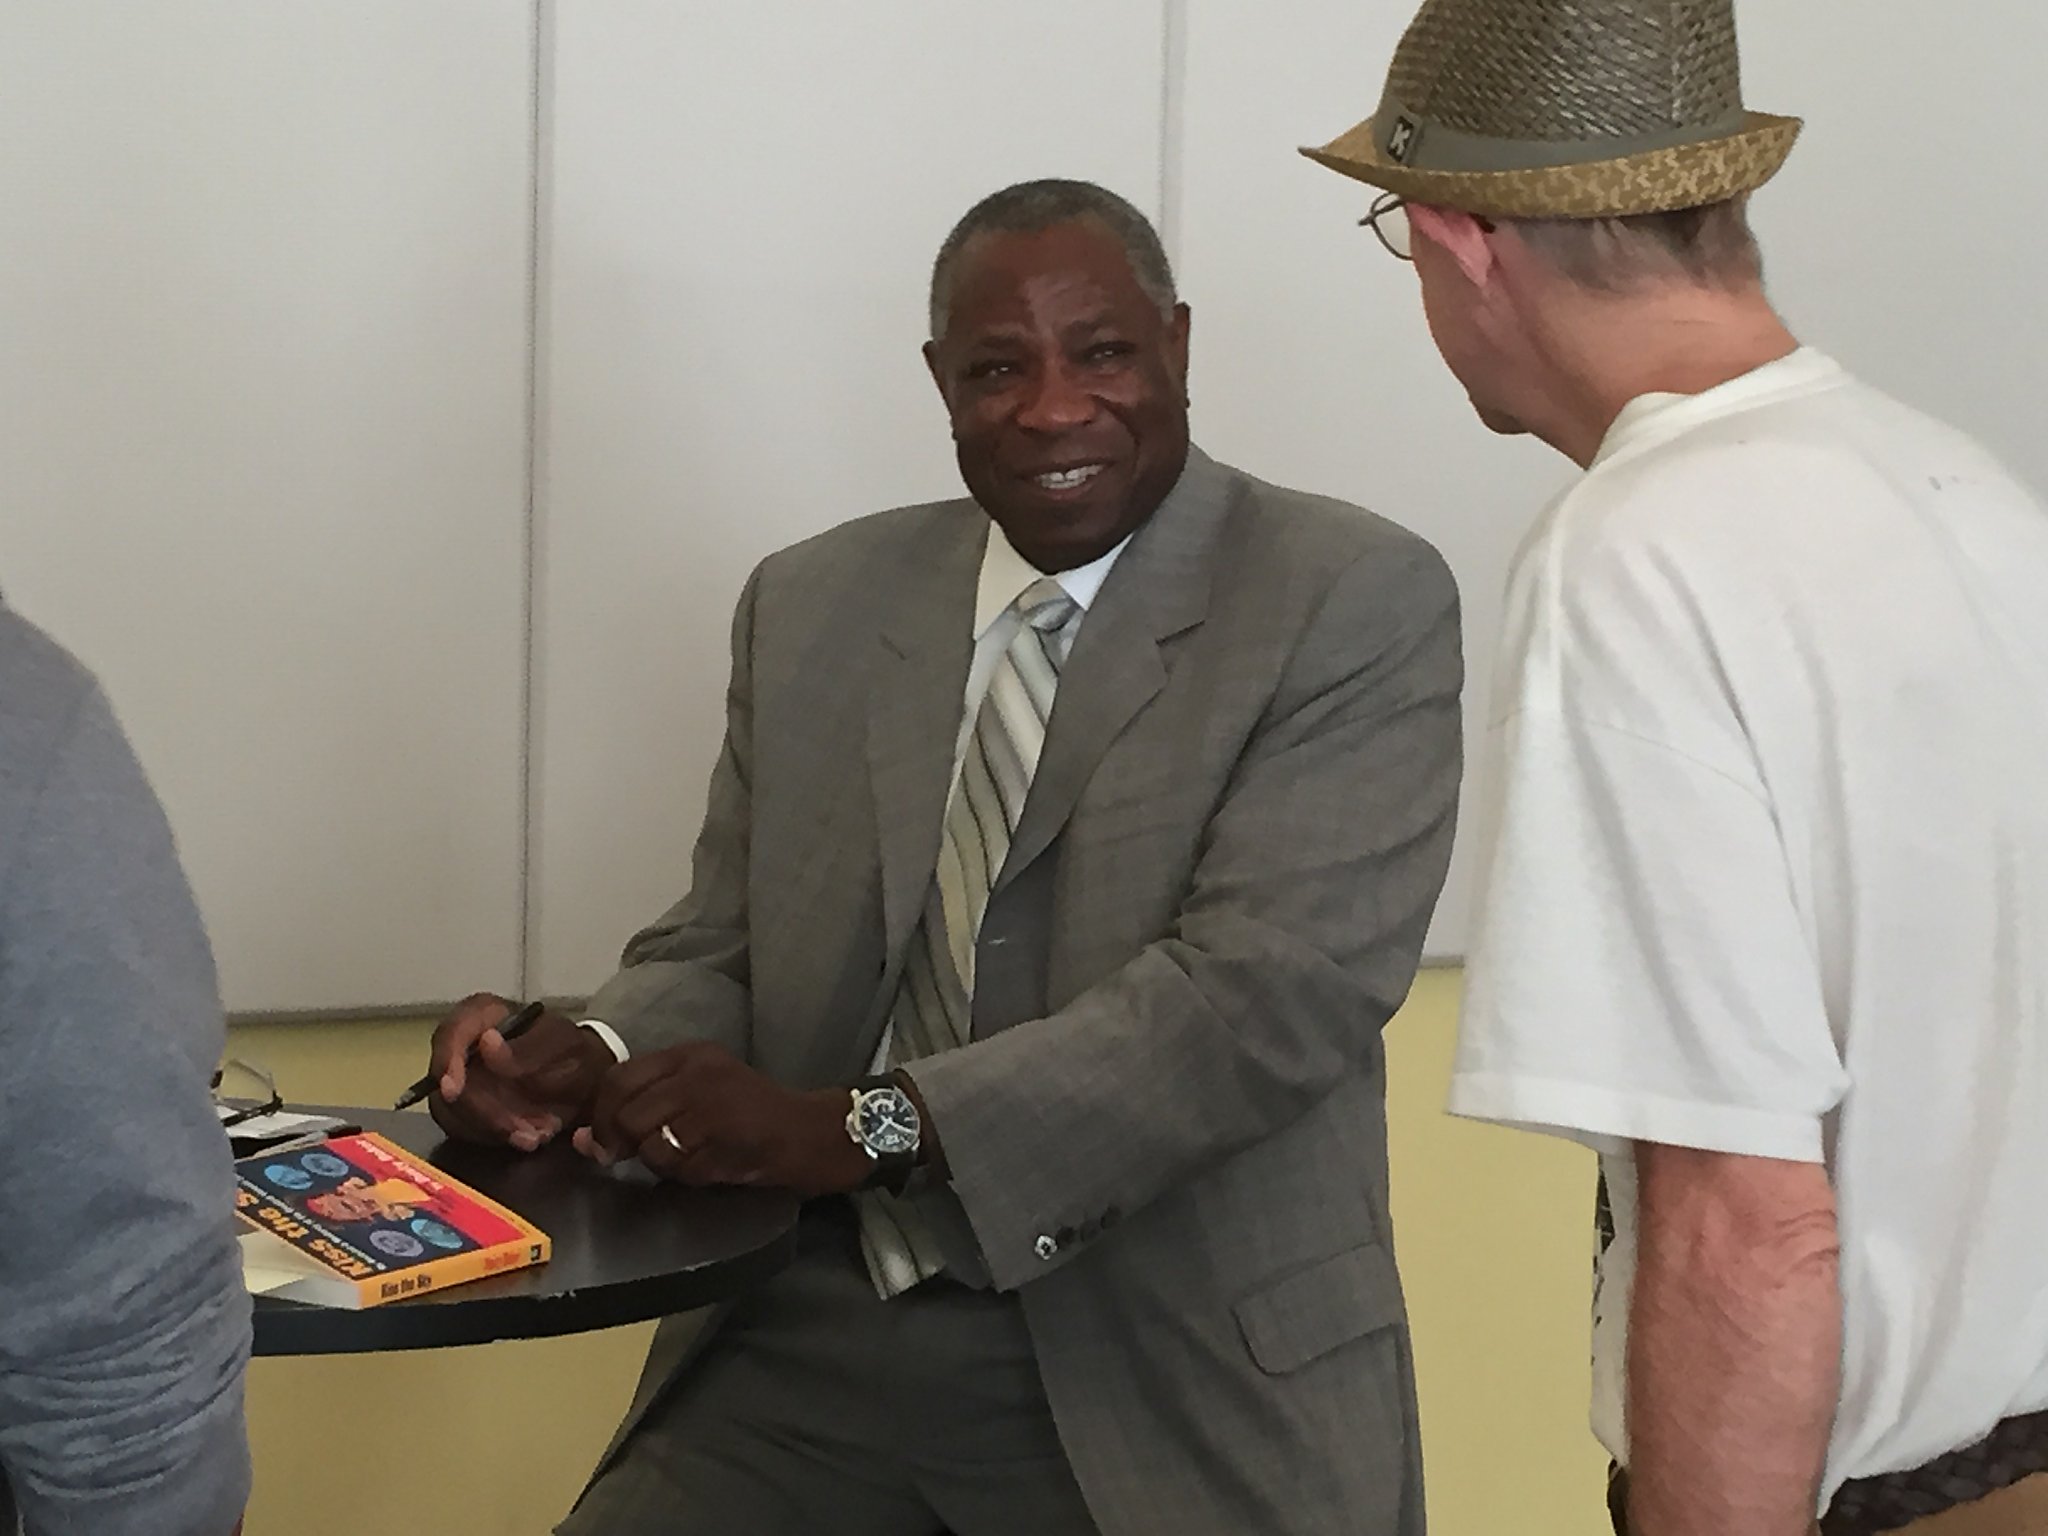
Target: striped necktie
point(934, 1005)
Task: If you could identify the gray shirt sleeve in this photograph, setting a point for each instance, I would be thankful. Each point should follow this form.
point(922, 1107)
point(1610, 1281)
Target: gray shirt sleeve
point(124, 1328)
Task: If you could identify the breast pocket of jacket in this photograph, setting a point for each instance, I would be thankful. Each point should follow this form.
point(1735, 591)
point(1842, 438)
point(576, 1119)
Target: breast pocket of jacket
point(1309, 1312)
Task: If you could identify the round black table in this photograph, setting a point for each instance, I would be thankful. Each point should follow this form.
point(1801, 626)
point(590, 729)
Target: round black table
point(623, 1253)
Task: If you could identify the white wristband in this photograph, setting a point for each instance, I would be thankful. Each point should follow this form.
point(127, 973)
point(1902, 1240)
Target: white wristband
point(608, 1035)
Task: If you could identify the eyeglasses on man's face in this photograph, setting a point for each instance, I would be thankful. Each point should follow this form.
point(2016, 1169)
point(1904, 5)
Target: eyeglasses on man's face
point(1388, 218)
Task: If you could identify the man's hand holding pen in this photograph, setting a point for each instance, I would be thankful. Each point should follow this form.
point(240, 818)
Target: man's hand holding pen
point(523, 1091)
point(694, 1113)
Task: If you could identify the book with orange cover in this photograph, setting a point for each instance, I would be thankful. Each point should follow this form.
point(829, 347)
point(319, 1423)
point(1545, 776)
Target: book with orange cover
point(358, 1221)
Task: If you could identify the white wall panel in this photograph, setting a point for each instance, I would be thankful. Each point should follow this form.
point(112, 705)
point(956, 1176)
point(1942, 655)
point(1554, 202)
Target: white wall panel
point(263, 419)
point(742, 207)
point(1904, 236)
point(263, 297)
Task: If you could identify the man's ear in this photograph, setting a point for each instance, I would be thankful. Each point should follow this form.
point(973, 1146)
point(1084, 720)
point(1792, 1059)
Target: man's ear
point(931, 366)
point(1461, 236)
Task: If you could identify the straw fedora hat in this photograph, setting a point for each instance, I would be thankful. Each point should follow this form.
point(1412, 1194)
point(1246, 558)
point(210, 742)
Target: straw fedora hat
point(1574, 109)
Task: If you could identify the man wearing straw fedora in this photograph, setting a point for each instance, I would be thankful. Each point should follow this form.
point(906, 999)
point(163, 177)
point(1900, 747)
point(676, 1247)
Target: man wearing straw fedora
point(1768, 857)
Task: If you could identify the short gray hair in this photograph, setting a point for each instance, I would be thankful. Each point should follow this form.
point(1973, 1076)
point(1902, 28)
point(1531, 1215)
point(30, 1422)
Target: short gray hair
point(1710, 247)
point(1031, 206)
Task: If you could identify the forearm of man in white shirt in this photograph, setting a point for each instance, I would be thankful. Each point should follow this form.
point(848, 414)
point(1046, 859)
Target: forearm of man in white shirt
point(1734, 1358)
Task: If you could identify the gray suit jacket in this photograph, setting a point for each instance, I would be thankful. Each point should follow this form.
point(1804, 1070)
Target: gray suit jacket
point(1169, 1135)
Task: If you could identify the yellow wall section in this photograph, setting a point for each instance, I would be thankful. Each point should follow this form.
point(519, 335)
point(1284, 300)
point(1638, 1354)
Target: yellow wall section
point(1494, 1229)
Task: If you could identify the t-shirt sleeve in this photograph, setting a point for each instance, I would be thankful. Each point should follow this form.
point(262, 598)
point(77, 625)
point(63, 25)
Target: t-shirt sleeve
point(1640, 970)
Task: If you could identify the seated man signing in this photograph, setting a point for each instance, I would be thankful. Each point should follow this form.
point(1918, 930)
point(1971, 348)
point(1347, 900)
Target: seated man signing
point(1056, 881)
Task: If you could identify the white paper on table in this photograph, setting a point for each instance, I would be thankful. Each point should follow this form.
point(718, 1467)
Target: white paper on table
point(268, 1265)
point(283, 1122)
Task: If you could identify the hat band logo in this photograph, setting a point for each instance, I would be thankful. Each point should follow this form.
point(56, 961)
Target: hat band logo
point(1401, 140)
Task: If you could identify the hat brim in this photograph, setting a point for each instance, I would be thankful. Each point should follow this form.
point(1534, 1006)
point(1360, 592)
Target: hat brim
point(1655, 181)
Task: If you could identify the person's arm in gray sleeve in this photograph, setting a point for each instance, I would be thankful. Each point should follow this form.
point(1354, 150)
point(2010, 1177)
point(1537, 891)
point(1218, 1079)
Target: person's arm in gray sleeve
point(124, 1326)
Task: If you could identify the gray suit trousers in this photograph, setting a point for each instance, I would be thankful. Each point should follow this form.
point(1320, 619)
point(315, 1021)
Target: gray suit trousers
point(817, 1406)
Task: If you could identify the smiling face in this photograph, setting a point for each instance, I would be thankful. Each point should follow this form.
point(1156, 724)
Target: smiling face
point(1067, 388)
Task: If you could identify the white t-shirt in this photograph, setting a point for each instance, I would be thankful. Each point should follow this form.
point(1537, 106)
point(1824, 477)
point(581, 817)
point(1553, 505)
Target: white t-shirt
point(1769, 867)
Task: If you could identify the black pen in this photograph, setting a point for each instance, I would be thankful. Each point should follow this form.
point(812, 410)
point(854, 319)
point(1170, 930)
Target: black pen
point(510, 1029)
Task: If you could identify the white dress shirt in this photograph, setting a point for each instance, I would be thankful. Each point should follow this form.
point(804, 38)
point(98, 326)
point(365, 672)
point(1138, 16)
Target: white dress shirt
point(1005, 575)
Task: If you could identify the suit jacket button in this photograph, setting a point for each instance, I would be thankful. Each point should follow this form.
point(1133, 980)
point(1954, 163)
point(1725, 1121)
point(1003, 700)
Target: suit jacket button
point(1045, 1247)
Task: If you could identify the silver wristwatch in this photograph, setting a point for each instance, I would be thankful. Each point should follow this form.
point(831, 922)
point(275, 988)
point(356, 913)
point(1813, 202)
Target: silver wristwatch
point(883, 1122)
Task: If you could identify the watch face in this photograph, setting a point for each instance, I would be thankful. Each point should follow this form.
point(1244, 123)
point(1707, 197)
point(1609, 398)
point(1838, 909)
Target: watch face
point(887, 1122)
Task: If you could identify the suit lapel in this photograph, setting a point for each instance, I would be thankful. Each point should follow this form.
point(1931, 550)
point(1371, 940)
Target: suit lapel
point(920, 677)
point(1158, 588)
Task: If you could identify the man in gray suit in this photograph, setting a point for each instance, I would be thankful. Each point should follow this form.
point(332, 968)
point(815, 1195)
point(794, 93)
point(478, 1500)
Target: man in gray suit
point(1056, 881)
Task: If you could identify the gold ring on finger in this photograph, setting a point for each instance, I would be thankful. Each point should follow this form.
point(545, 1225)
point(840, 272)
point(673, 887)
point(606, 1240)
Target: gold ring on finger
point(669, 1136)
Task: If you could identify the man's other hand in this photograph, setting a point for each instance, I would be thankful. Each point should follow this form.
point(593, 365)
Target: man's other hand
point(523, 1092)
point(731, 1124)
